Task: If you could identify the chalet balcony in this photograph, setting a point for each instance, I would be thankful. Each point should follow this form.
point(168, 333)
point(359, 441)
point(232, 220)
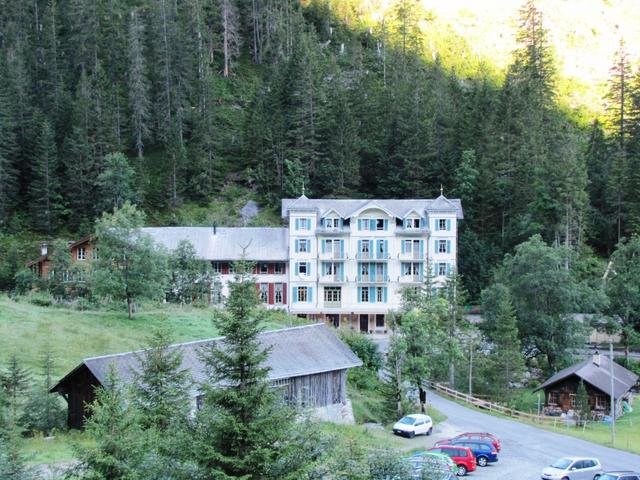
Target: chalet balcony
point(412, 232)
point(411, 256)
point(322, 230)
point(337, 304)
point(410, 279)
point(332, 279)
point(377, 256)
point(332, 256)
point(369, 279)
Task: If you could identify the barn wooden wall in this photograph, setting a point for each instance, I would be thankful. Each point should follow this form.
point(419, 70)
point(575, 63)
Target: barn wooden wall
point(316, 390)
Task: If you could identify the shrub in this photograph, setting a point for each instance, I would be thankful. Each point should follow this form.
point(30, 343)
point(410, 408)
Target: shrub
point(365, 348)
point(24, 280)
point(41, 299)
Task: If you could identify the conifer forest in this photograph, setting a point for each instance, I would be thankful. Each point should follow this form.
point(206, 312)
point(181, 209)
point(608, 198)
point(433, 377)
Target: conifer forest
point(273, 96)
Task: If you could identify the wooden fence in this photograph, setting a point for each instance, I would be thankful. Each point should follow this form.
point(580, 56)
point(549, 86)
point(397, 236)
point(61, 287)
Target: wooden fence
point(493, 407)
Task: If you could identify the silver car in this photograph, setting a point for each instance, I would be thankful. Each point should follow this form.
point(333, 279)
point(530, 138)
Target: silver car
point(572, 468)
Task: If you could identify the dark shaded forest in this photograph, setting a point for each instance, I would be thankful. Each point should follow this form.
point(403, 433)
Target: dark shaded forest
point(271, 95)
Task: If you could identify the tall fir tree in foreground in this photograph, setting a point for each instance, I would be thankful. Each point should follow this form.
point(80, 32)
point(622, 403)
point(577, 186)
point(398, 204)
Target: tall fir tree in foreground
point(243, 429)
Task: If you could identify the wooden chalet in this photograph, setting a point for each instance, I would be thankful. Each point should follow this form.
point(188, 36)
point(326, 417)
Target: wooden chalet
point(309, 363)
point(561, 389)
point(81, 250)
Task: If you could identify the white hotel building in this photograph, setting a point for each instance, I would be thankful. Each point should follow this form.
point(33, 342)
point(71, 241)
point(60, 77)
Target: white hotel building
point(341, 261)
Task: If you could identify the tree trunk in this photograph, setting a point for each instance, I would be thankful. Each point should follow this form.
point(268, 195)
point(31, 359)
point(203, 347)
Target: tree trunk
point(129, 307)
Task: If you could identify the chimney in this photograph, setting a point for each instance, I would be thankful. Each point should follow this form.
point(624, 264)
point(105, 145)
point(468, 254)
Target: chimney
point(215, 227)
point(43, 248)
point(596, 358)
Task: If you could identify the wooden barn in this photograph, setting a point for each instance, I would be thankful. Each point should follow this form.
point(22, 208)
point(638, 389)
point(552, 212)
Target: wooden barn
point(561, 389)
point(309, 363)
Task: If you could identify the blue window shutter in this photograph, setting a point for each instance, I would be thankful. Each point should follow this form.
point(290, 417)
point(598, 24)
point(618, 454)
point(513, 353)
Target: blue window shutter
point(448, 246)
point(359, 294)
point(359, 224)
point(310, 294)
point(308, 269)
point(448, 224)
point(297, 246)
point(372, 294)
point(359, 246)
point(386, 224)
point(435, 246)
point(420, 271)
point(385, 294)
point(421, 248)
point(295, 295)
point(386, 248)
point(422, 222)
point(297, 224)
point(359, 272)
point(308, 224)
point(341, 223)
point(323, 244)
point(402, 245)
point(341, 248)
point(384, 271)
point(448, 270)
point(372, 224)
point(372, 271)
point(437, 225)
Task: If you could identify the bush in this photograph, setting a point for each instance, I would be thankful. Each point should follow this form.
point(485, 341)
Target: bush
point(365, 348)
point(24, 280)
point(41, 299)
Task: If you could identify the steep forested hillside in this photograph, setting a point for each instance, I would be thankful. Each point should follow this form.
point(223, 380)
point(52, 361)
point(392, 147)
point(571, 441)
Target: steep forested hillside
point(271, 95)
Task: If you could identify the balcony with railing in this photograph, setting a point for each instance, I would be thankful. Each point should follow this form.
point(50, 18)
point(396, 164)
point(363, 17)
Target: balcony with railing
point(332, 279)
point(415, 255)
point(332, 304)
point(412, 231)
point(324, 230)
point(333, 255)
point(407, 279)
point(372, 279)
point(377, 256)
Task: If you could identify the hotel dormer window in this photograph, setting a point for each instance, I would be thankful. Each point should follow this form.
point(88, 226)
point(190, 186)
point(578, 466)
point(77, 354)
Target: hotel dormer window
point(264, 268)
point(332, 223)
point(412, 223)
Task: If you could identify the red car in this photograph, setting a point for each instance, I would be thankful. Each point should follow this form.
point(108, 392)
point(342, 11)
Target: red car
point(463, 457)
point(483, 436)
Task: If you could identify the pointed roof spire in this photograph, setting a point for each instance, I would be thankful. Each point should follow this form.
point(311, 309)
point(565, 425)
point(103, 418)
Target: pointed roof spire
point(303, 189)
point(441, 190)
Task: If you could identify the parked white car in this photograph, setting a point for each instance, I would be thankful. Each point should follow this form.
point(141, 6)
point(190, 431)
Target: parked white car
point(571, 468)
point(412, 425)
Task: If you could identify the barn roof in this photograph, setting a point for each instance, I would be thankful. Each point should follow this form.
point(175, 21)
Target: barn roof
point(346, 208)
point(227, 243)
point(297, 351)
point(597, 376)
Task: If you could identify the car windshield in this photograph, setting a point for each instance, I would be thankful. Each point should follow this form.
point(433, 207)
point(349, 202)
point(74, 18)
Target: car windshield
point(407, 420)
point(562, 463)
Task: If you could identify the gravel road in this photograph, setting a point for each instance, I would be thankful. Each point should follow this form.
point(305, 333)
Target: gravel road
point(525, 449)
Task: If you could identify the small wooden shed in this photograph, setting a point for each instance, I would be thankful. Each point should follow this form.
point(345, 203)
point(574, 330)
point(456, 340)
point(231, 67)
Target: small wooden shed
point(561, 389)
point(309, 363)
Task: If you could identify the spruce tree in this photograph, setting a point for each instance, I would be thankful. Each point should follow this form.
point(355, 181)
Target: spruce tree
point(116, 183)
point(15, 381)
point(161, 387)
point(243, 429)
point(138, 83)
point(8, 149)
point(44, 188)
point(43, 412)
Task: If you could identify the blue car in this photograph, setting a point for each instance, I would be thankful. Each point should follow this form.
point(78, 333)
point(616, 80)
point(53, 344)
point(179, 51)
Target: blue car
point(484, 452)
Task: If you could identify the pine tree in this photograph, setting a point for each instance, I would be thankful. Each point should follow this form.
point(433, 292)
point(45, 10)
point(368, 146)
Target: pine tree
point(15, 382)
point(243, 429)
point(43, 412)
point(8, 150)
point(44, 189)
point(161, 389)
point(507, 360)
point(138, 83)
point(618, 103)
point(230, 34)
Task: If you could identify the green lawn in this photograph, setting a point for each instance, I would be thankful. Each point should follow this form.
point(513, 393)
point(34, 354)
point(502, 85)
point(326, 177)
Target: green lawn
point(74, 335)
